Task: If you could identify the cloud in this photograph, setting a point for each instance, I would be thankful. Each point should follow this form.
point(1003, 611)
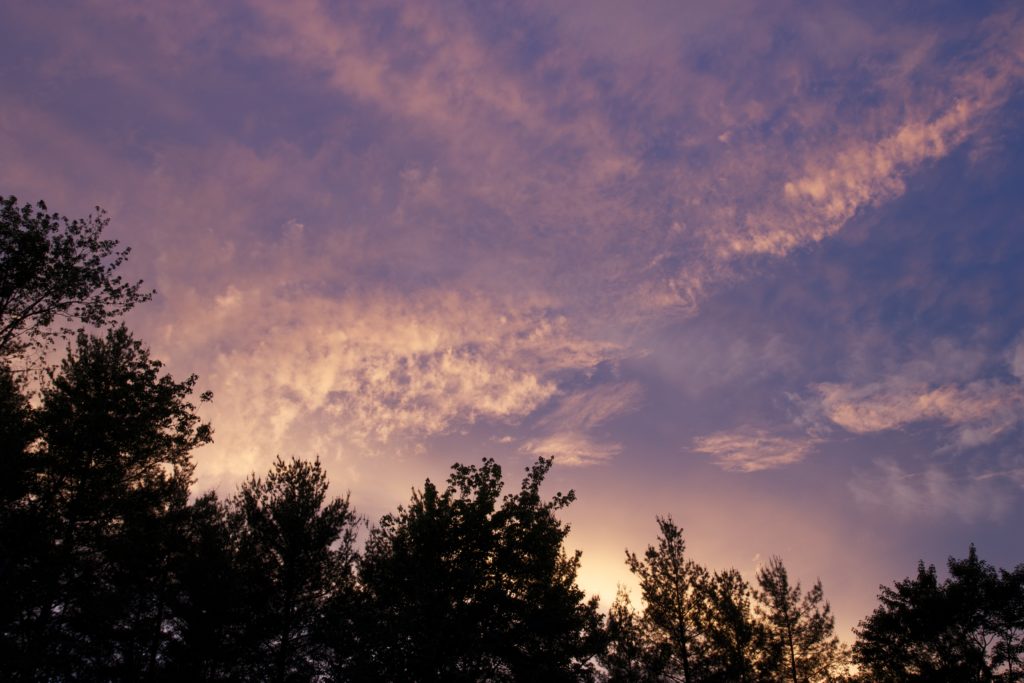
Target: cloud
point(931, 492)
point(547, 146)
point(590, 145)
point(572, 448)
point(587, 409)
point(1017, 360)
point(752, 450)
point(978, 412)
point(376, 369)
point(567, 431)
point(601, 179)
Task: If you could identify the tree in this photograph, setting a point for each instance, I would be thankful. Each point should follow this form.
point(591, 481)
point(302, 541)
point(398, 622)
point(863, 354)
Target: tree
point(1006, 620)
point(800, 630)
point(56, 273)
point(296, 554)
point(17, 432)
point(631, 654)
point(735, 640)
point(467, 584)
point(109, 486)
point(673, 591)
point(212, 604)
point(966, 628)
point(23, 531)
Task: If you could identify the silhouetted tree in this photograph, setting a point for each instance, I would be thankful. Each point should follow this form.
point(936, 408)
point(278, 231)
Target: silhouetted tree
point(110, 476)
point(1006, 621)
point(24, 533)
point(632, 655)
point(212, 605)
point(801, 645)
point(296, 550)
point(967, 628)
point(17, 432)
point(673, 588)
point(55, 272)
point(466, 584)
point(735, 640)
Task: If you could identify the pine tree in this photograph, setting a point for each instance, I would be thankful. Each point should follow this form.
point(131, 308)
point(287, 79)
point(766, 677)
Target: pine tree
point(801, 644)
point(110, 476)
point(467, 584)
point(673, 588)
point(295, 549)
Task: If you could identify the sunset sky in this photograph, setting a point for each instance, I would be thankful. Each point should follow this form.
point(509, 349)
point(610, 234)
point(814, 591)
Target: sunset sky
point(755, 265)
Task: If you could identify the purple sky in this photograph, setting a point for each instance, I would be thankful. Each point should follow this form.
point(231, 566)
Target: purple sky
point(755, 265)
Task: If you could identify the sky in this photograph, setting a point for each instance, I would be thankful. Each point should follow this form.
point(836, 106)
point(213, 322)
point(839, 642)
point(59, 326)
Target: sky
point(757, 266)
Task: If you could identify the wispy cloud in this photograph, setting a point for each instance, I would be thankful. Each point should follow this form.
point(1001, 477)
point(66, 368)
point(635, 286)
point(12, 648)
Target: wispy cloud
point(572, 448)
point(978, 412)
point(948, 385)
point(568, 431)
point(484, 208)
point(931, 492)
point(383, 367)
point(752, 450)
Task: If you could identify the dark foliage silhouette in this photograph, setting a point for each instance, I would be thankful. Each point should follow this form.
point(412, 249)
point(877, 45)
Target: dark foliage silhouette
point(467, 584)
point(296, 553)
point(56, 273)
point(631, 654)
point(800, 631)
point(108, 489)
point(969, 627)
point(673, 591)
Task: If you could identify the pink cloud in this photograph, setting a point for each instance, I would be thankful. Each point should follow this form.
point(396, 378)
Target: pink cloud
point(752, 450)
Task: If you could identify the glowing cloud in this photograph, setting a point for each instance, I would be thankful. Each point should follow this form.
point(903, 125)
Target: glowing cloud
point(978, 411)
point(752, 450)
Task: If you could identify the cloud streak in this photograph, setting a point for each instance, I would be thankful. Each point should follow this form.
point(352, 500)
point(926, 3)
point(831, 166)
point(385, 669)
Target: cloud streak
point(753, 450)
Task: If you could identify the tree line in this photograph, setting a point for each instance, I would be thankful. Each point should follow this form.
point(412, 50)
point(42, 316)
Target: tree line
point(113, 569)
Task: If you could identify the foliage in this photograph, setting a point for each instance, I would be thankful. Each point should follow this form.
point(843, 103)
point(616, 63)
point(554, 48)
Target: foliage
point(969, 627)
point(296, 553)
point(800, 628)
point(110, 573)
point(56, 272)
point(711, 627)
point(630, 655)
point(108, 481)
point(467, 584)
point(736, 641)
point(673, 592)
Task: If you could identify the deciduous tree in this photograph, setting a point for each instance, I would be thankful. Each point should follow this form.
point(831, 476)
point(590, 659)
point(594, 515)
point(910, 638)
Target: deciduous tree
point(966, 628)
point(57, 274)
